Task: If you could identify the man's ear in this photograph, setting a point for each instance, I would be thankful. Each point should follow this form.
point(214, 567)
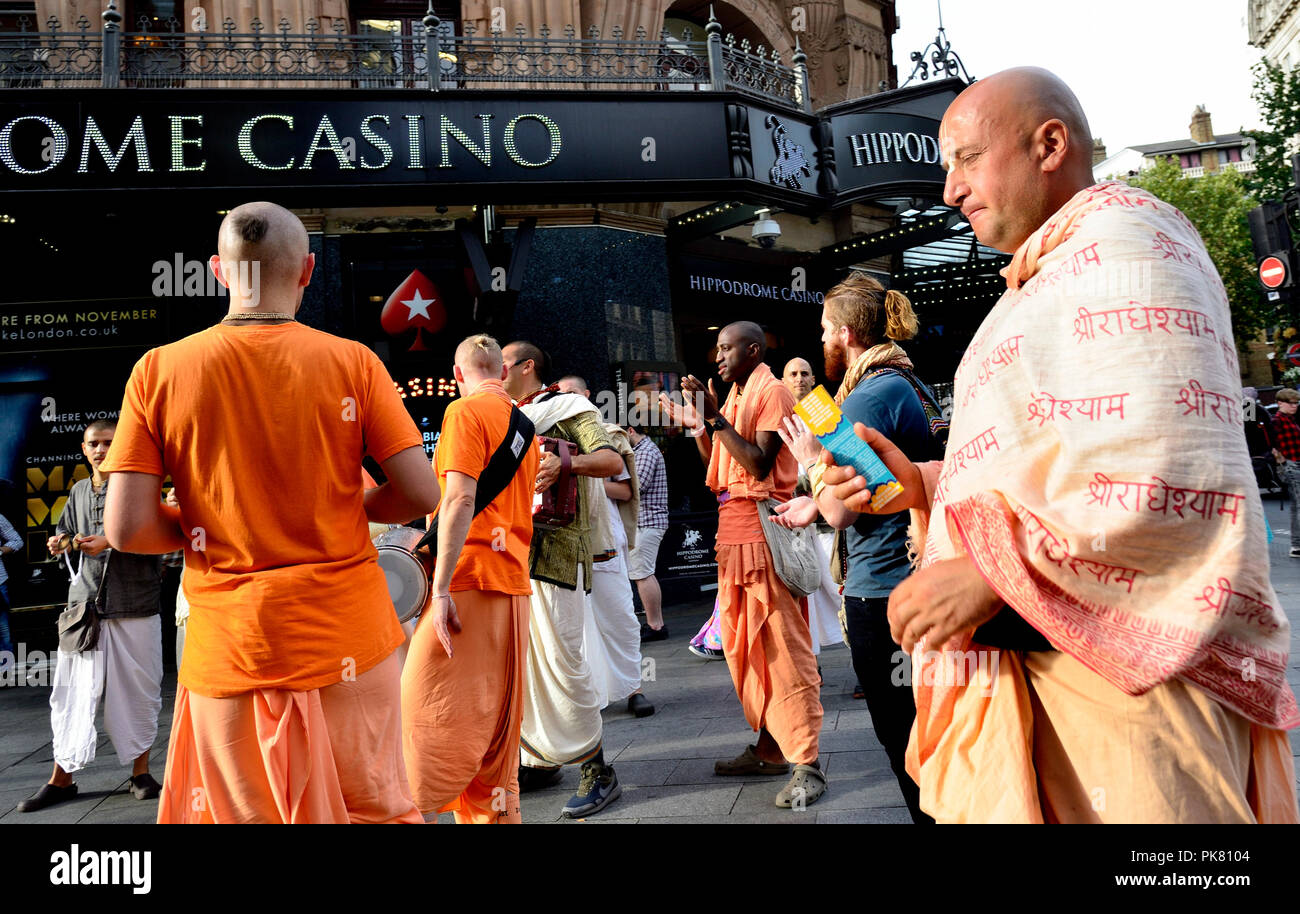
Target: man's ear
point(458, 374)
point(505, 372)
point(1052, 144)
point(214, 264)
point(308, 265)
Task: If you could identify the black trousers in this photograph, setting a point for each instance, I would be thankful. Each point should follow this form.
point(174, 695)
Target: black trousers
point(889, 692)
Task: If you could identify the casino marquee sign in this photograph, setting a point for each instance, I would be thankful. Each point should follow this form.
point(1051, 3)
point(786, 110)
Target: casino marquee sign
point(468, 146)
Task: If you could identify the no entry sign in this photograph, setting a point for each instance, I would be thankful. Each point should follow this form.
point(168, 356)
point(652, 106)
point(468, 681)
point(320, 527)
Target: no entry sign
point(1272, 272)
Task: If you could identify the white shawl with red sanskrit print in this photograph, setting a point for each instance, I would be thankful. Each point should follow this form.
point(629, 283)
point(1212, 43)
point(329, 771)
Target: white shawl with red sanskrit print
point(1097, 471)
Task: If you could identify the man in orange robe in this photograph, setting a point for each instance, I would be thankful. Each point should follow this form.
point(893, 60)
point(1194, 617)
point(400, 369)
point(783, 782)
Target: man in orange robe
point(765, 634)
point(288, 704)
point(463, 684)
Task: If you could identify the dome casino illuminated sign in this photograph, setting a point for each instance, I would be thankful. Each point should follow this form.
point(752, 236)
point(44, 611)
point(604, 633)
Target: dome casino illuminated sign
point(34, 144)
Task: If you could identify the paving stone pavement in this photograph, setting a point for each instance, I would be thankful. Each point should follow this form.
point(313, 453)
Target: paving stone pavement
point(664, 762)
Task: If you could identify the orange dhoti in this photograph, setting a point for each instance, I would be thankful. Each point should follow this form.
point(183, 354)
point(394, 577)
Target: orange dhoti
point(769, 650)
point(1038, 737)
point(461, 716)
point(329, 755)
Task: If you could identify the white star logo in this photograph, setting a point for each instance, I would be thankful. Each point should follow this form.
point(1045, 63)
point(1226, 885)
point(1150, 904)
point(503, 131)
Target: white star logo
point(418, 305)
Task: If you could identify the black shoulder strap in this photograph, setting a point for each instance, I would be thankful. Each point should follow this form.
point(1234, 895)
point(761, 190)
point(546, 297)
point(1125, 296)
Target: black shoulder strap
point(501, 468)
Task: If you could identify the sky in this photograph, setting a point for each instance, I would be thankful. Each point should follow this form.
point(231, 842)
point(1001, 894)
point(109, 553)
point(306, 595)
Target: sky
point(1139, 67)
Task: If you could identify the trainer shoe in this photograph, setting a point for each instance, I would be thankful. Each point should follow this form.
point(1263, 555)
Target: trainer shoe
point(48, 795)
point(707, 653)
point(597, 789)
point(144, 787)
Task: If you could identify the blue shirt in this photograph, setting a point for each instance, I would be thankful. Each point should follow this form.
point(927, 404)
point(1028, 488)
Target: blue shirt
point(877, 544)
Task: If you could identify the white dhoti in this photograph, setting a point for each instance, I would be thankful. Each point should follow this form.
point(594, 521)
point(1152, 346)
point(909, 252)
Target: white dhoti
point(562, 724)
point(126, 668)
point(824, 603)
point(612, 634)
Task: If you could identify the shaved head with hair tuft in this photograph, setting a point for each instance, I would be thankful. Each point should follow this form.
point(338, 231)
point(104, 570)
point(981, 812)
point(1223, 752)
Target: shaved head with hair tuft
point(266, 234)
point(479, 356)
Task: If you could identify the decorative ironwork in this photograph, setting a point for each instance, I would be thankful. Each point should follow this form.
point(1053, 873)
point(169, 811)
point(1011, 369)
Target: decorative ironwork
point(372, 58)
point(30, 58)
point(942, 59)
point(163, 54)
point(755, 73)
point(592, 61)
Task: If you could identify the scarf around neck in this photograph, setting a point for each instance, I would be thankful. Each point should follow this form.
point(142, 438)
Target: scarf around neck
point(883, 355)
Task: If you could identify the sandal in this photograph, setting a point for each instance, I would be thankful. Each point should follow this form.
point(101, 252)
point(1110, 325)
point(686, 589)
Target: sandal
point(806, 786)
point(748, 762)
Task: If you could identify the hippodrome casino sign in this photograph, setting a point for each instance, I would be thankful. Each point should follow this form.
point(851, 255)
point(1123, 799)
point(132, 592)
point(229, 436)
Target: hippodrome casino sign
point(480, 144)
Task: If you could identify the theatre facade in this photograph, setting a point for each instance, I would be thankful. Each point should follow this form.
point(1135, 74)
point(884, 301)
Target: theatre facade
point(610, 196)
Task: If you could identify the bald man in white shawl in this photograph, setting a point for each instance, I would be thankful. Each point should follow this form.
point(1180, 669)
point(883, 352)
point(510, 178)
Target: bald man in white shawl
point(1093, 631)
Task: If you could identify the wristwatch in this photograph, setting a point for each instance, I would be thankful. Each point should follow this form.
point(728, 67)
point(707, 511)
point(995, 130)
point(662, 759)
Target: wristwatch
point(717, 424)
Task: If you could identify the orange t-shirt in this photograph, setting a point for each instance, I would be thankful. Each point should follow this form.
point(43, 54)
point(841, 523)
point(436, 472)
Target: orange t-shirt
point(738, 520)
point(263, 429)
point(472, 429)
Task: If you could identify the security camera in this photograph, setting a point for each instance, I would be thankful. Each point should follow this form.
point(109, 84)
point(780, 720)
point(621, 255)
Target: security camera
point(766, 229)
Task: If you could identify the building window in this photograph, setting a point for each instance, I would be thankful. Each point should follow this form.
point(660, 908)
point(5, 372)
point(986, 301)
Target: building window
point(153, 14)
point(1234, 154)
point(14, 17)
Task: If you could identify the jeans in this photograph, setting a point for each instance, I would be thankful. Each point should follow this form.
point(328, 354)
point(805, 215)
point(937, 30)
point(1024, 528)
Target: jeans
point(891, 706)
point(1291, 476)
point(5, 643)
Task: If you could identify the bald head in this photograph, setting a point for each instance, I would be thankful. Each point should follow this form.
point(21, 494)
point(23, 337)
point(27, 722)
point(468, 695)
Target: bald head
point(275, 241)
point(741, 347)
point(745, 333)
point(798, 376)
point(574, 384)
point(1016, 146)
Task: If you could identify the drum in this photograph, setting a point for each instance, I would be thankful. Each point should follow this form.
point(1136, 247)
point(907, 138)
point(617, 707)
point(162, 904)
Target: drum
point(407, 573)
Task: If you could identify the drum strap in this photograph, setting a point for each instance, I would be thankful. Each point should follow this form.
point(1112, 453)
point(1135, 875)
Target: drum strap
point(501, 468)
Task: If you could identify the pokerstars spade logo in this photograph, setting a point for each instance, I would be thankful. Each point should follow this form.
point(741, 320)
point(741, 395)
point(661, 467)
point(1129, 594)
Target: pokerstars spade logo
point(417, 305)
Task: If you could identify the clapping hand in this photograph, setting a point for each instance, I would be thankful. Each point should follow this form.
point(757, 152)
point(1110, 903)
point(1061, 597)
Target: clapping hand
point(683, 414)
point(800, 440)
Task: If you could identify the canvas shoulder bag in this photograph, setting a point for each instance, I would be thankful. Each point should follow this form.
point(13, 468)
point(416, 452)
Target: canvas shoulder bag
point(793, 554)
point(79, 623)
